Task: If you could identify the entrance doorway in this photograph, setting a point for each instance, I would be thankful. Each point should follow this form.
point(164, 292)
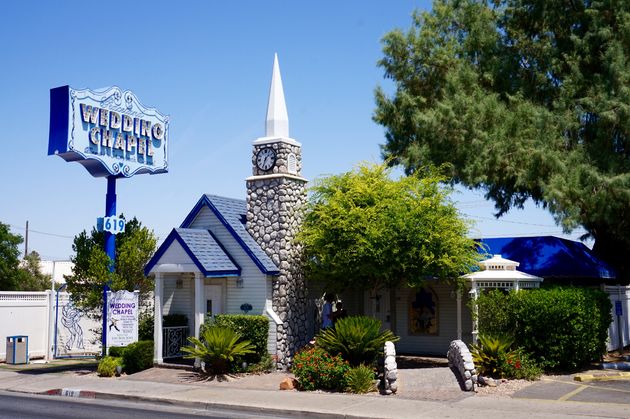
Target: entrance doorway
point(214, 299)
point(377, 305)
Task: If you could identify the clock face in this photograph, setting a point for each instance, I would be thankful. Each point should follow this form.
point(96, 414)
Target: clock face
point(266, 159)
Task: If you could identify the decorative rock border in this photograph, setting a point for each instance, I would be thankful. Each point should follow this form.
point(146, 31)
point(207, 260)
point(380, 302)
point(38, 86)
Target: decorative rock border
point(390, 370)
point(460, 358)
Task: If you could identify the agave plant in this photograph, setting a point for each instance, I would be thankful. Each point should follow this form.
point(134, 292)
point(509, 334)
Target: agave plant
point(217, 347)
point(487, 353)
point(357, 338)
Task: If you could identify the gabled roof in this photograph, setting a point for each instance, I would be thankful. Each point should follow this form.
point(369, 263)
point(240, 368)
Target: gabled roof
point(231, 213)
point(203, 249)
point(548, 256)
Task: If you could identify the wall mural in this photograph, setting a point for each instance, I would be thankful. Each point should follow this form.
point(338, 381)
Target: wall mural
point(423, 312)
point(70, 317)
point(76, 333)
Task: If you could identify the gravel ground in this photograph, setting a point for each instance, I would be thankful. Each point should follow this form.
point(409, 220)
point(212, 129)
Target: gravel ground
point(504, 388)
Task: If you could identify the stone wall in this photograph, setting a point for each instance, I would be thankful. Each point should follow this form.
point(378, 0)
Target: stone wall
point(460, 358)
point(274, 215)
point(282, 159)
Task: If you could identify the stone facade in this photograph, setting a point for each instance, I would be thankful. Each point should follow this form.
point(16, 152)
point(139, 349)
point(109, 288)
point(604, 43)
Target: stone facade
point(460, 358)
point(275, 203)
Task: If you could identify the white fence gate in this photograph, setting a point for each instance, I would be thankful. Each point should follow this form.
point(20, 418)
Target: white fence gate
point(619, 330)
point(34, 314)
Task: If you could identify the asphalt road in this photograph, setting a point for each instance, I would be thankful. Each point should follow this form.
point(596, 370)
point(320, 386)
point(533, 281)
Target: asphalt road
point(14, 405)
point(565, 389)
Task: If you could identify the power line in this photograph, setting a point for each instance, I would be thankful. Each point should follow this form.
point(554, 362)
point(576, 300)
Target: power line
point(30, 230)
point(507, 221)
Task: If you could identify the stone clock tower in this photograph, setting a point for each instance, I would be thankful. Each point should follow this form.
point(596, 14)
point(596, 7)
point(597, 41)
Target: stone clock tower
point(276, 196)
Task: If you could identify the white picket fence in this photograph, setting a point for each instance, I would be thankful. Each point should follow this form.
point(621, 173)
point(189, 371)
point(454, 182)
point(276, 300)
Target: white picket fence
point(35, 315)
point(619, 330)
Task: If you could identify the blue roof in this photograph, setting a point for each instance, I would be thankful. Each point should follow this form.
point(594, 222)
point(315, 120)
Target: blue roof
point(548, 256)
point(231, 213)
point(203, 249)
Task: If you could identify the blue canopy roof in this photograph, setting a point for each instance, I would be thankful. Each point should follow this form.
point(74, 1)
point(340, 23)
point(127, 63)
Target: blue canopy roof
point(550, 257)
point(203, 249)
point(231, 213)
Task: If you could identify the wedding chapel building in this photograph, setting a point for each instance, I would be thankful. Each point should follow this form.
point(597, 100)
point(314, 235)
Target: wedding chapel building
point(239, 256)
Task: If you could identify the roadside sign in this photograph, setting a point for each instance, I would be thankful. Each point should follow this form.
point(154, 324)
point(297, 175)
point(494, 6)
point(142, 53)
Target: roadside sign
point(618, 309)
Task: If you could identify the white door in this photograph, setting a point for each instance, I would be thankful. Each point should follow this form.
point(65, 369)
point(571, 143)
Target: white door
point(214, 299)
point(377, 306)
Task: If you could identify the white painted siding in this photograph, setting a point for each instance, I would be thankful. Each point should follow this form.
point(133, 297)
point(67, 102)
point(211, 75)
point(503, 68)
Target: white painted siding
point(447, 320)
point(254, 281)
point(256, 289)
point(176, 254)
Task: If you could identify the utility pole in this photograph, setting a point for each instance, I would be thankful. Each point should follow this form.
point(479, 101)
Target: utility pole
point(26, 241)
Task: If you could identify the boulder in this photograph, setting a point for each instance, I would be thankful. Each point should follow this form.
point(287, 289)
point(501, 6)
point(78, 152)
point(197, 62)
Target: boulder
point(288, 384)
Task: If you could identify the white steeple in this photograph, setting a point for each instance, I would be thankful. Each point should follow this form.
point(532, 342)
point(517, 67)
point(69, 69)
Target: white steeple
point(277, 124)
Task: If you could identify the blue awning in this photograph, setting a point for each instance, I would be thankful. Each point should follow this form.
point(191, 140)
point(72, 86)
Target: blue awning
point(550, 257)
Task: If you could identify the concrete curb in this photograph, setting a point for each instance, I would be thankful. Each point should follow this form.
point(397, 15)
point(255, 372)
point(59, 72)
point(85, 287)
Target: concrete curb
point(602, 377)
point(67, 392)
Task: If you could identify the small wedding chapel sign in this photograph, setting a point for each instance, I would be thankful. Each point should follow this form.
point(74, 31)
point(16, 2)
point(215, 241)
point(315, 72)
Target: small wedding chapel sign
point(122, 318)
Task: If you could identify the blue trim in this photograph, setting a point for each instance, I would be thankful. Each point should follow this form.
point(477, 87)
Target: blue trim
point(174, 235)
point(190, 254)
point(58, 129)
point(225, 251)
point(160, 252)
point(205, 201)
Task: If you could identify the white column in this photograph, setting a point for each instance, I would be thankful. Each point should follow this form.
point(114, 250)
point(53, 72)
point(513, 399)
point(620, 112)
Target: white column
point(199, 297)
point(50, 333)
point(157, 322)
point(473, 294)
point(459, 314)
point(199, 309)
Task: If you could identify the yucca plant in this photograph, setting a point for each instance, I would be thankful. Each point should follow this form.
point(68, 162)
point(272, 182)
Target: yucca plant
point(488, 352)
point(357, 338)
point(217, 348)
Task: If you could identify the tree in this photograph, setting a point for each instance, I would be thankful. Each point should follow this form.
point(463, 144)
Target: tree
point(134, 248)
point(9, 258)
point(365, 230)
point(30, 276)
point(525, 99)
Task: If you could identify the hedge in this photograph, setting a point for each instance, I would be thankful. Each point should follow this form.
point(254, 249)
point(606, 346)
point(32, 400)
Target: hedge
point(138, 356)
point(254, 328)
point(563, 328)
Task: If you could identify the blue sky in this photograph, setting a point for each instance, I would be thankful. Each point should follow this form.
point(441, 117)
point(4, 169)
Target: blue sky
point(207, 64)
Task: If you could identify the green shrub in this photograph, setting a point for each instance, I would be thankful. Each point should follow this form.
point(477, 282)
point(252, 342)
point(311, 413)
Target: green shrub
point(266, 364)
point(116, 351)
point(174, 320)
point(361, 380)
point(494, 357)
point(562, 328)
point(517, 364)
point(217, 347)
point(253, 328)
point(358, 339)
point(138, 356)
point(145, 327)
point(488, 352)
point(107, 366)
point(316, 369)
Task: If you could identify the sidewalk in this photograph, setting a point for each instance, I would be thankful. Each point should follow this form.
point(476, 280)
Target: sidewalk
point(207, 395)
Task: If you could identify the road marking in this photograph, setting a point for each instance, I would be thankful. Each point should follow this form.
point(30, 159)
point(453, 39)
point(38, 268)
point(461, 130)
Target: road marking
point(587, 385)
point(572, 393)
point(69, 392)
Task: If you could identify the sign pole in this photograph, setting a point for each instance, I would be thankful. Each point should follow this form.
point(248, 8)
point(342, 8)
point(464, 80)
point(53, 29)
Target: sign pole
point(110, 249)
